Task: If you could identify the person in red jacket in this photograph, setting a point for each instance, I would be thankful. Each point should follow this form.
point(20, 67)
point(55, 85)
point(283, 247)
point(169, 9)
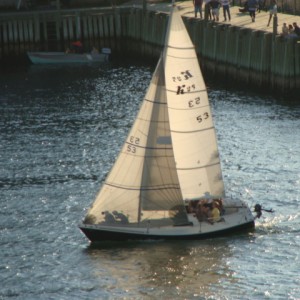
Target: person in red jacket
point(77, 47)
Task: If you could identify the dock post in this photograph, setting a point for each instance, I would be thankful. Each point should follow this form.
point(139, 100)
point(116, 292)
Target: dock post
point(206, 11)
point(144, 6)
point(78, 27)
point(275, 24)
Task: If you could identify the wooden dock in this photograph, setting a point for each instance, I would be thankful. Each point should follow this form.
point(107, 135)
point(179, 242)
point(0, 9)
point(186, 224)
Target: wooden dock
point(241, 50)
point(237, 19)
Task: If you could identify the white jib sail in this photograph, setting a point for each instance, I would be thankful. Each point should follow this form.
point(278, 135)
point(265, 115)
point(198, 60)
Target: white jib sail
point(143, 182)
point(192, 129)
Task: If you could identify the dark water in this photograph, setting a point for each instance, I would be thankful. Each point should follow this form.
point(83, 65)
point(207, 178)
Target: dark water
point(60, 129)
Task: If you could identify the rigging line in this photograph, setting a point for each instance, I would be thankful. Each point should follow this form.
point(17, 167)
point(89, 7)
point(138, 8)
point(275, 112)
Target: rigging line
point(201, 167)
point(252, 197)
point(143, 189)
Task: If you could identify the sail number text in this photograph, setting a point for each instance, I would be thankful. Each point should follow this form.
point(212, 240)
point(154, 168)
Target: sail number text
point(180, 79)
point(181, 89)
point(184, 75)
point(194, 102)
point(202, 117)
point(133, 142)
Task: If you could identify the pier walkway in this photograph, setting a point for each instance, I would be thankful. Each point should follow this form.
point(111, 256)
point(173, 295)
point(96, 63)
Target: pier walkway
point(237, 18)
point(241, 50)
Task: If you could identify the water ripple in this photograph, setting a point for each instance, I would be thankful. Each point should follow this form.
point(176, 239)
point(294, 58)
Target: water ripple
point(61, 129)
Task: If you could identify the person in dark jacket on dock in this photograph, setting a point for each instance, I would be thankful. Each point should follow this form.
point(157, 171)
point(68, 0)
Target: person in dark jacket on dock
point(198, 7)
point(252, 7)
point(245, 8)
point(261, 5)
point(226, 9)
point(296, 29)
point(215, 6)
point(207, 10)
point(272, 10)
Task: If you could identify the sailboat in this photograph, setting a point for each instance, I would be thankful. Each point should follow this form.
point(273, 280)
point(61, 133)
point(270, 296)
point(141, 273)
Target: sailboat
point(167, 178)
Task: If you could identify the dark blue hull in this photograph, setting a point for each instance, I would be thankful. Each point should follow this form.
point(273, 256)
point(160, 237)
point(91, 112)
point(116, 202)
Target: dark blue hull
point(98, 235)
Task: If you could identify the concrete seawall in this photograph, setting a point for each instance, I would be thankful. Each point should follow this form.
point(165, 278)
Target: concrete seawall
point(241, 53)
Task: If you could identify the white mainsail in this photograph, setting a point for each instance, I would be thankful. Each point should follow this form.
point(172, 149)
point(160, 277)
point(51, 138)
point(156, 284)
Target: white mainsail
point(192, 129)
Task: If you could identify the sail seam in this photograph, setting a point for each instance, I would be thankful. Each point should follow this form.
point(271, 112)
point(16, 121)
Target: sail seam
point(190, 92)
point(155, 101)
point(205, 166)
point(180, 48)
point(190, 108)
point(144, 189)
point(151, 148)
point(193, 131)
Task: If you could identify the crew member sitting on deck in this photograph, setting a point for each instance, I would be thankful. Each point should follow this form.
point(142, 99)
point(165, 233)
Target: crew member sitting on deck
point(108, 217)
point(203, 211)
point(215, 213)
point(120, 217)
point(219, 203)
point(193, 206)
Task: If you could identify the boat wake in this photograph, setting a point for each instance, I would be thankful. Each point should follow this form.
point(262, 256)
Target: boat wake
point(279, 224)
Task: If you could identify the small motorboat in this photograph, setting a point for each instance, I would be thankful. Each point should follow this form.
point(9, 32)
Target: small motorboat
point(69, 57)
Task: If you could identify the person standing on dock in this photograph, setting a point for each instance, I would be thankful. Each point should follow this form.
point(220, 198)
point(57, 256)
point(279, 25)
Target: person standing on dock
point(285, 30)
point(252, 7)
point(261, 5)
point(226, 10)
point(296, 29)
point(207, 10)
point(198, 7)
point(215, 6)
point(272, 10)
